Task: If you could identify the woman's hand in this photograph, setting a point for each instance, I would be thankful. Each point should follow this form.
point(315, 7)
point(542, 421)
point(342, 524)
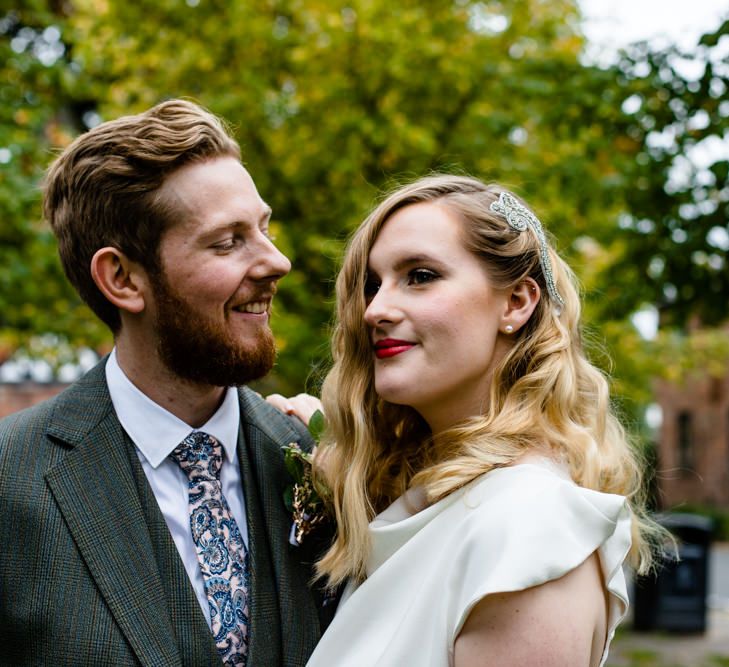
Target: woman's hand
point(301, 405)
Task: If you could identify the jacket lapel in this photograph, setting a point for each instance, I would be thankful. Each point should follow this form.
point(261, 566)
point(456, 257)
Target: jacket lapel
point(95, 491)
point(284, 619)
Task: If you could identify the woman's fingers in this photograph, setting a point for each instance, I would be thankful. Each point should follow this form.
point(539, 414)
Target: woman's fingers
point(301, 405)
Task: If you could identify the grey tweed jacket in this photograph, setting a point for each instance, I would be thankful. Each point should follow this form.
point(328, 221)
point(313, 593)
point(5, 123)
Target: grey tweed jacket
point(89, 575)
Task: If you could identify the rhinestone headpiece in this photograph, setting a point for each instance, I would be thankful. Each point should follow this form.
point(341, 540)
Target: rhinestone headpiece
point(519, 218)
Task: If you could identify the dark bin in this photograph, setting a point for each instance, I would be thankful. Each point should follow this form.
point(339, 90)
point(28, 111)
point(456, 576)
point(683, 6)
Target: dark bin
point(674, 598)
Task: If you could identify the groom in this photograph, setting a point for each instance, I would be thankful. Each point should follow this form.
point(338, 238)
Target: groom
point(141, 511)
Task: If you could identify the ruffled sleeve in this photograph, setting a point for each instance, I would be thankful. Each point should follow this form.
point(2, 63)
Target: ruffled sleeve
point(528, 526)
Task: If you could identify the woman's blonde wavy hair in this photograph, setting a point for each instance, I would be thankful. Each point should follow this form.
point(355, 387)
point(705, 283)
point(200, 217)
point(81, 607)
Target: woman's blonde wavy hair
point(544, 391)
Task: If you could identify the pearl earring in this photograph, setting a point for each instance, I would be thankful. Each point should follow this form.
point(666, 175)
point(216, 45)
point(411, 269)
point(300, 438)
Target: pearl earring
point(509, 329)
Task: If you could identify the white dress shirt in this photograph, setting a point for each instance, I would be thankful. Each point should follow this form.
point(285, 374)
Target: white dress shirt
point(155, 433)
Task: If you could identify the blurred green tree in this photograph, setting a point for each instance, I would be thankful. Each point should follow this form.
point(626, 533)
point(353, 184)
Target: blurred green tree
point(37, 112)
point(332, 102)
point(670, 247)
point(673, 234)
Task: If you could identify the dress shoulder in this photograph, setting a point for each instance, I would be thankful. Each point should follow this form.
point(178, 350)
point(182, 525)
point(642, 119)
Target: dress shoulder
point(526, 525)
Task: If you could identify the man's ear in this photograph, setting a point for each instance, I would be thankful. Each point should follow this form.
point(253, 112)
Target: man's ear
point(522, 299)
point(120, 280)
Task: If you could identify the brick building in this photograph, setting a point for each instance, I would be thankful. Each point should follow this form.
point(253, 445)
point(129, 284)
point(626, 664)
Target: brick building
point(16, 396)
point(693, 445)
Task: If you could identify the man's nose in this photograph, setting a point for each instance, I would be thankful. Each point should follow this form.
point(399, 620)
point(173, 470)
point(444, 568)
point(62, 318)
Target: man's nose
point(272, 264)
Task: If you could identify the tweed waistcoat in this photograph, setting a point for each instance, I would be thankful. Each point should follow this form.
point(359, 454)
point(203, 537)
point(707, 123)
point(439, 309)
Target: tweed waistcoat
point(192, 633)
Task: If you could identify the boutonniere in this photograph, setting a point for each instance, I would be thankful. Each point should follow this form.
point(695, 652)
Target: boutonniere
point(304, 498)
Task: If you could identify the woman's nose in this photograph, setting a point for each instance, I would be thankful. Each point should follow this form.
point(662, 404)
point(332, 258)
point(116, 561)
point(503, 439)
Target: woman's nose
point(381, 308)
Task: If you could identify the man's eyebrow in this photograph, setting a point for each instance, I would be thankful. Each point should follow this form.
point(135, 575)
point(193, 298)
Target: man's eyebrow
point(233, 225)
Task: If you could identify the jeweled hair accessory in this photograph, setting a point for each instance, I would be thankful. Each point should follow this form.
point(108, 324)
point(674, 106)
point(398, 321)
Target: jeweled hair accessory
point(519, 218)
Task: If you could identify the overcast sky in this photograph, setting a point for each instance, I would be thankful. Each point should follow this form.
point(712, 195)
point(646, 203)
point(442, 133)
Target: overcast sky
point(612, 24)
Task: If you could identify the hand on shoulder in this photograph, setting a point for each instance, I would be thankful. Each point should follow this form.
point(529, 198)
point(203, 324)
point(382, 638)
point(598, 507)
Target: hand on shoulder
point(301, 405)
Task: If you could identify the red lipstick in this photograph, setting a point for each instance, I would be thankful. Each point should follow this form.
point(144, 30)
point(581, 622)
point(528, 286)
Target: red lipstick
point(389, 347)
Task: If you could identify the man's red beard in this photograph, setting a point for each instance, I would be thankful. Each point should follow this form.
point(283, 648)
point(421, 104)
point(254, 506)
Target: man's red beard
point(197, 348)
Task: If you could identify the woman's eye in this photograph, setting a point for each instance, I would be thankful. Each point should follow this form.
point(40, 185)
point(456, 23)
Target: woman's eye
point(371, 288)
point(420, 276)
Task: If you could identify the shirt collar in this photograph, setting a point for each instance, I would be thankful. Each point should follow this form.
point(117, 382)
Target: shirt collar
point(156, 431)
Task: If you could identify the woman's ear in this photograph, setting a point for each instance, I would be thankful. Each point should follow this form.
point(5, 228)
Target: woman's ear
point(522, 299)
point(119, 279)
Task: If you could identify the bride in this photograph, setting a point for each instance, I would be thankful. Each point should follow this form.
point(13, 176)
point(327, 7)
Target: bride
point(485, 495)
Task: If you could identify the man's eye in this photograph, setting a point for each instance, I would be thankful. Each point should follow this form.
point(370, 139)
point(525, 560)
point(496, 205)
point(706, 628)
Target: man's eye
point(227, 244)
point(420, 276)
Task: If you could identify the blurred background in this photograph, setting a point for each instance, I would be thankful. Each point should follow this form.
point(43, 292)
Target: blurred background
point(610, 118)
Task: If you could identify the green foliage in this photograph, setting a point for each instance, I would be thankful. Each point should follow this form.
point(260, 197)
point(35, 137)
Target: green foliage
point(34, 77)
point(332, 103)
point(317, 425)
point(673, 231)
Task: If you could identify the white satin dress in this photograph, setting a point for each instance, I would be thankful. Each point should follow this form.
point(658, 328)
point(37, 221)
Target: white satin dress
point(510, 529)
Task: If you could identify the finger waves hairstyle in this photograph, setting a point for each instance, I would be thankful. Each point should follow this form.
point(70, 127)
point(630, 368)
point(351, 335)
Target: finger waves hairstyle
point(544, 391)
point(103, 190)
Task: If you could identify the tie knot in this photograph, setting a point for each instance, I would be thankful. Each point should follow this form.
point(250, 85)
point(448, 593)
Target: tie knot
point(199, 453)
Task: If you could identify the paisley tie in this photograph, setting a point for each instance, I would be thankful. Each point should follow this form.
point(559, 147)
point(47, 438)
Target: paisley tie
point(220, 548)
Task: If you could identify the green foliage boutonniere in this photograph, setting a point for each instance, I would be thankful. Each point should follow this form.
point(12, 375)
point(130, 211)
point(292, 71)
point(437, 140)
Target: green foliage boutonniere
point(305, 499)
